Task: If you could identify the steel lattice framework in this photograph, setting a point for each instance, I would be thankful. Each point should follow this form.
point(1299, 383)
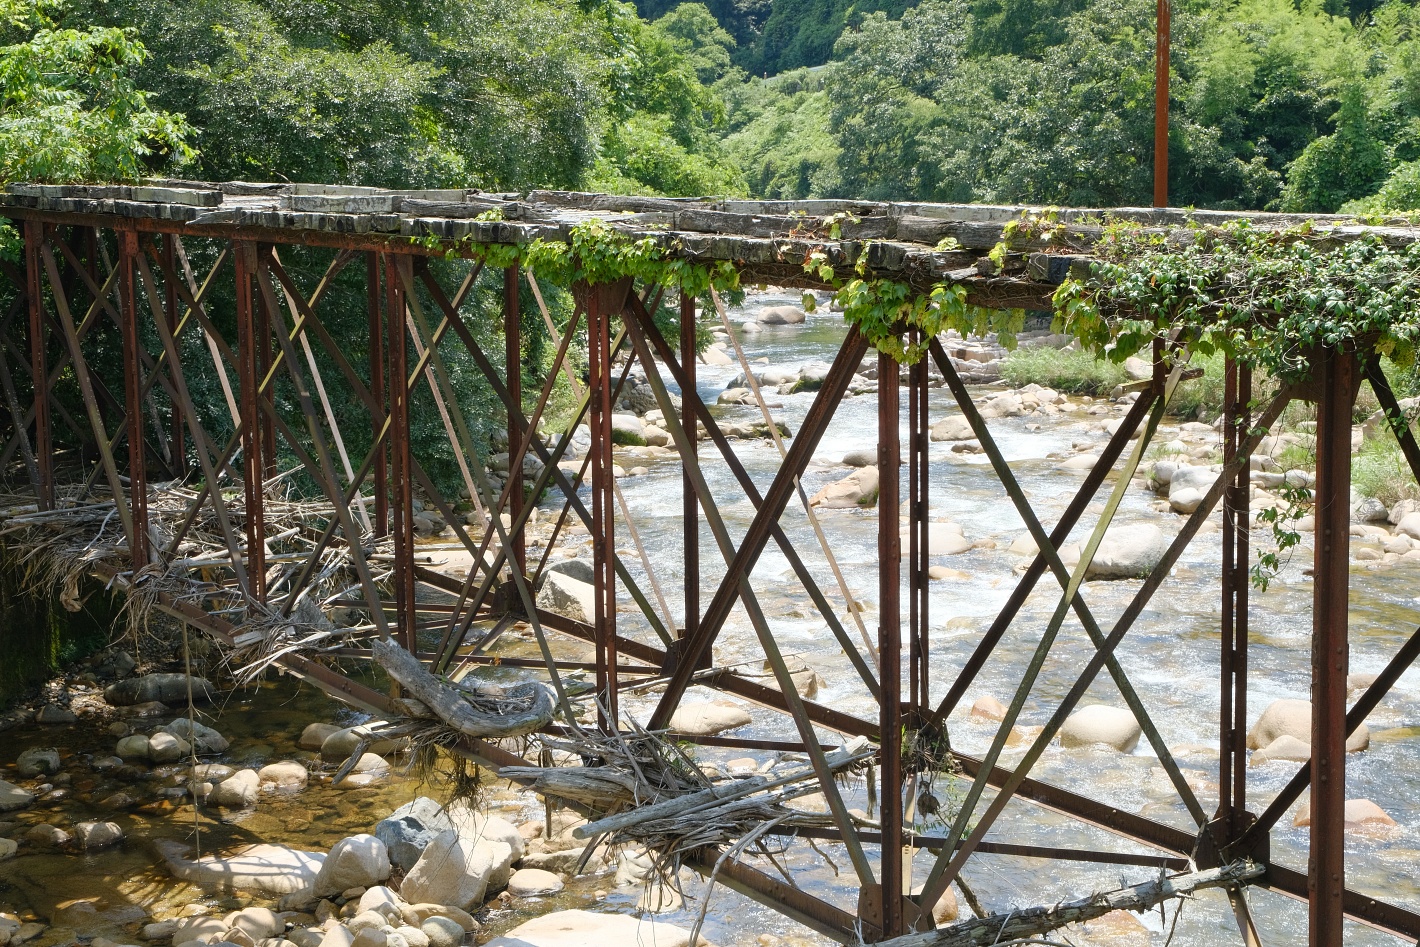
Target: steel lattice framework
point(110, 262)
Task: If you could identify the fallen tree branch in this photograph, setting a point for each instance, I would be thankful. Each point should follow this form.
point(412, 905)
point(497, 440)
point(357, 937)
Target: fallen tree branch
point(453, 707)
point(1028, 922)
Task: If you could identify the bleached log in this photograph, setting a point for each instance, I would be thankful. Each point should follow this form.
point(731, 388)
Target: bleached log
point(450, 706)
point(1031, 922)
point(600, 787)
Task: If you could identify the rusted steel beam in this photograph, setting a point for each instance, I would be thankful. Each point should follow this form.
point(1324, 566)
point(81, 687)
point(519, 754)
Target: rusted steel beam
point(513, 370)
point(690, 508)
point(934, 843)
point(133, 397)
point(1381, 915)
point(177, 442)
point(39, 366)
point(600, 302)
point(845, 364)
point(377, 392)
point(401, 458)
point(253, 468)
point(893, 922)
point(919, 597)
point(1232, 728)
point(1338, 377)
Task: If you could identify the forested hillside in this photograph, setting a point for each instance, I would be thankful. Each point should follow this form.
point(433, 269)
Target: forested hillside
point(1309, 106)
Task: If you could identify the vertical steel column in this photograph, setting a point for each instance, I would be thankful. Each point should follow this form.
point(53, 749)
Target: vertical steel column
point(1161, 104)
point(919, 686)
point(890, 643)
point(401, 460)
point(39, 365)
point(603, 521)
point(690, 512)
point(513, 360)
point(1232, 750)
point(177, 443)
point(133, 396)
point(253, 468)
point(265, 358)
point(380, 475)
point(1336, 376)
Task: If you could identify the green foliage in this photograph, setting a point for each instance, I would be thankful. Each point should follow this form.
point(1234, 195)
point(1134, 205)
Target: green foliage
point(779, 133)
point(1340, 167)
point(69, 108)
point(1072, 371)
point(1265, 297)
point(1400, 194)
point(1379, 470)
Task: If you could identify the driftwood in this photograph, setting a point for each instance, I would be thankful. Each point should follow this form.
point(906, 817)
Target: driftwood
point(600, 787)
point(526, 708)
point(1032, 922)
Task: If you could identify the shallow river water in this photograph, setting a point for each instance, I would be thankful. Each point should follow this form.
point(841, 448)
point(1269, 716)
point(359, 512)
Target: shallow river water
point(1171, 656)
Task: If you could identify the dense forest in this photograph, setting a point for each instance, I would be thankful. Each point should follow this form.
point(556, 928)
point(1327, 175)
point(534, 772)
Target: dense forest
point(1309, 106)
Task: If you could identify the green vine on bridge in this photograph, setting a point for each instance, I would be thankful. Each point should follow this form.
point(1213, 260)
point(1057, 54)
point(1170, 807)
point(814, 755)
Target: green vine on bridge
point(1268, 298)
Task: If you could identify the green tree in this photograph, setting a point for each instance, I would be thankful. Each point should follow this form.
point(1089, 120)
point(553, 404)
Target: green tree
point(1347, 164)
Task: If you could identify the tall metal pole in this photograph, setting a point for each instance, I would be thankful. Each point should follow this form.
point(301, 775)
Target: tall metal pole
point(1161, 105)
point(919, 688)
point(177, 441)
point(690, 516)
point(890, 643)
point(253, 470)
point(603, 522)
point(380, 476)
point(401, 465)
point(39, 365)
point(513, 361)
point(1336, 374)
point(133, 395)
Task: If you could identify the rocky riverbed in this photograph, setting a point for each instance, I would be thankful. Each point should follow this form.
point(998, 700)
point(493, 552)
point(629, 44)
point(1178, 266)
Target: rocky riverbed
point(100, 841)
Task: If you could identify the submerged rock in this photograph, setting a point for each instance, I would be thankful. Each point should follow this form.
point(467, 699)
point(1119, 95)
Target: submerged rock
point(37, 761)
point(1097, 724)
point(13, 797)
point(167, 688)
point(268, 869)
point(585, 929)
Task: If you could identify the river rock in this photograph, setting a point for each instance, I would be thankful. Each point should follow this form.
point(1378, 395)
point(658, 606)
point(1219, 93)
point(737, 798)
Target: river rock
point(858, 489)
point(704, 720)
point(166, 748)
point(55, 714)
point(338, 747)
point(238, 791)
point(203, 737)
point(46, 836)
point(383, 901)
point(716, 356)
point(134, 747)
point(442, 932)
point(13, 797)
point(95, 835)
point(259, 923)
point(780, 316)
point(533, 882)
point(287, 776)
point(1285, 748)
point(584, 929)
point(988, 710)
point(189, 929)
point(365, 920)
point(371, 937)
point(954, 427)
point(861, 458)
point(167, 688)
point(1186, 500)
point(269, 869)
point(564, 861)
point(628, 429)
point(369, 770)
point(480, 826)
point(356, 862)
point(1128, 552)
point(1186, 477)
point(8, 848)
point(1096, 724)
point(37, 761)
point(452, 870)
point(579, 569)
point(1361, 814)
point(410, 828)
point(1291, 717)
point(315, 735)
point(416, 914)
point(945, 539)
point(565, 596)
point(337, 935)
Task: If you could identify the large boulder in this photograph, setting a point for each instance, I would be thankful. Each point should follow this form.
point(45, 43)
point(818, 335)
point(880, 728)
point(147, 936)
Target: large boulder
point(1293, 718)
point(704, 720)
point(781, 316)
point(167, 688)
point(1128, 552)
point(203, 737)
point(454, 870)
point(360, 861)
point(954, 427)
point(37, 761)
point(269, 869)
point(585, 929)
point(1097, 724)
point(410, 828)
point(858, 489)
point(481, 826)
point(580, 569)
point(241, 790)
point(945, 539)
point(565, 596)
point(628, 429)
